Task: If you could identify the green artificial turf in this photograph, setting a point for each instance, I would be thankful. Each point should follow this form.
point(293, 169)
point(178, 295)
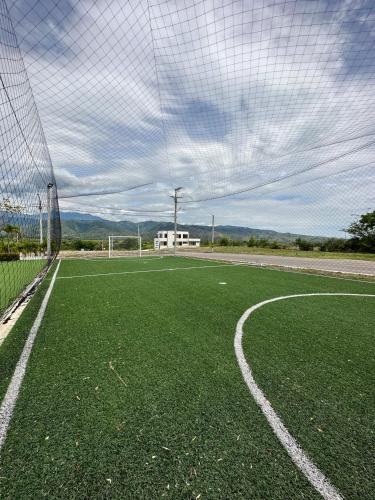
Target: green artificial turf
point(133, 390)
point(14, 277)
point(314, 357)
point(12, 345)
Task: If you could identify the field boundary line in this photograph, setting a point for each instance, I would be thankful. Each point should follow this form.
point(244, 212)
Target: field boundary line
point(314, 475)
point(229, 264)
point(10, 398)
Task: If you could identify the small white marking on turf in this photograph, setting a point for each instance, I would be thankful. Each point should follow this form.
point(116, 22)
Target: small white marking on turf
point(222, 283)
point(10, 398)
point(299, 457)
point(145, 271)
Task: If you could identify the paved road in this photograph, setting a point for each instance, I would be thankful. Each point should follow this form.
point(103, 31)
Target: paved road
point(349, 266)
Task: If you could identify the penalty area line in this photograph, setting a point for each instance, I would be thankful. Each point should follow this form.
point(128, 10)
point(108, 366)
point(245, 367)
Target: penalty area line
point(147, 271)
point(10, 398)
point(314, 475)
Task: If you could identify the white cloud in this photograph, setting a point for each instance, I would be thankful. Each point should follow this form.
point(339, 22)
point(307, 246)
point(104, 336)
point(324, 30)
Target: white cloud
point(217, 98)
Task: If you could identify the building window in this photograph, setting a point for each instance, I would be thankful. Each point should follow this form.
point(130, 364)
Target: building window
point(185, 236)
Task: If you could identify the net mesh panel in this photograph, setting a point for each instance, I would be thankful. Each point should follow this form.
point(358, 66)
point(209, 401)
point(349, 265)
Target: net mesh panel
point(25, 173)
point(263, 111)
point(124, 245)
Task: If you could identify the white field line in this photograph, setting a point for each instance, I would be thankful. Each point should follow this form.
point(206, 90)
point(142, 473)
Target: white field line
point(106, 259)
point(10, 398)
point(299, 457)
point(147, 271)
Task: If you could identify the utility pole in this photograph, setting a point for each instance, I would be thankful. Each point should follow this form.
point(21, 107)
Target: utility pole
point(40, 220)
point(213, 233)
point(49, 217)
point(175, 199)
point(139, 241)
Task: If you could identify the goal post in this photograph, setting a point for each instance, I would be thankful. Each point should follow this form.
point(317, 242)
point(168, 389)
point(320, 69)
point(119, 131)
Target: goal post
point(119, 245)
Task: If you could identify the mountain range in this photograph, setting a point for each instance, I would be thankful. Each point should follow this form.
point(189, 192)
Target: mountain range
point(85, 226)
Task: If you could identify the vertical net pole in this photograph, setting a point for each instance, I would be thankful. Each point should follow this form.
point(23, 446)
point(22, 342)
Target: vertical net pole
point(40, 220)
point(49, 217)
point(139, 241)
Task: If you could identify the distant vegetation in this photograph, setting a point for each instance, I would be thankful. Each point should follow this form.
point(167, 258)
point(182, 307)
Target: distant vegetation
point(81, 244)
point(90, 232)
point(362, 231)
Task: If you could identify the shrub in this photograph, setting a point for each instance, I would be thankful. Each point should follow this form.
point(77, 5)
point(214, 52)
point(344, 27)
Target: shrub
point(252, 242)
point(275, 244)
point(9, 256)
point(334, 245)
point(304, 244)
point(224, 242)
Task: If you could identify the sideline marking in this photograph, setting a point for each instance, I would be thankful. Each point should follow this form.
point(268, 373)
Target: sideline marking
point(146, 271)
point(301, 460)
point(10, 398)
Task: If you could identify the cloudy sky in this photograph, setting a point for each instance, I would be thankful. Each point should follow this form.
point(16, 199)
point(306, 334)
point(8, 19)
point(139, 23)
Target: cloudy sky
point(263, 111)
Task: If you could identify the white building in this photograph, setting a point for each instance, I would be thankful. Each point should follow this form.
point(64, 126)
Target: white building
point(165, 239)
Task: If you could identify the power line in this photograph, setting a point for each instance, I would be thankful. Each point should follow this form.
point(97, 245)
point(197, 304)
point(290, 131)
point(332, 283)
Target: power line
point(102, 193)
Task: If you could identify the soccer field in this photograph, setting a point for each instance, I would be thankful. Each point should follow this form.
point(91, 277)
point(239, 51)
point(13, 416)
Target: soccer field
point(138, 384)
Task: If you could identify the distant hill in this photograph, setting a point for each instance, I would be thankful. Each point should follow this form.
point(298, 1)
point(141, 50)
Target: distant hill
point(82, 226)
point(78, 216)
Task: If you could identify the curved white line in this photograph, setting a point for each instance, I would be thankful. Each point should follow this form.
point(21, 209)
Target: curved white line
point(299, 457)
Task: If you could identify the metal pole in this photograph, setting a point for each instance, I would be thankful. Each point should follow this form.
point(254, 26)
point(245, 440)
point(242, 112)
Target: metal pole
point(139, 241)
point(109, 247)
point(175, 199)
point(175, 223)
point(49, 225)
point(40, 221)
point(213, 233)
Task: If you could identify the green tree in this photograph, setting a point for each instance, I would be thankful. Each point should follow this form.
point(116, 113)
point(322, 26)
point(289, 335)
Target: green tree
point(304, 244)
point(363, 231)
point(12, 231)
point(224, 242)
point(251, 242)
point(6, 205)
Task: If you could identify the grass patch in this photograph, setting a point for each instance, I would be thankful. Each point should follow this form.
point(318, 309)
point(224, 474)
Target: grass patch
point(133, 390)
point(13, 344)
point(317, 369)
point(14, 277)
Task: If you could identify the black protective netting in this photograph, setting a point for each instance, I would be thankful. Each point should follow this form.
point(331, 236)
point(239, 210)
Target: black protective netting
point(263, 111)
point(26, 176)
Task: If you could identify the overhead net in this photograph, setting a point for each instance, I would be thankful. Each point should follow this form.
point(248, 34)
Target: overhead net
point(29, 231)
point(262, 111)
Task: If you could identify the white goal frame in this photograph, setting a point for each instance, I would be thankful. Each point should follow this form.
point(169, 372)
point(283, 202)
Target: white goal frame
point(111, 238)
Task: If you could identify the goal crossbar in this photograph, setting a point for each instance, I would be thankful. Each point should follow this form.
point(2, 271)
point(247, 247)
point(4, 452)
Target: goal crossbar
point(112, 238)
